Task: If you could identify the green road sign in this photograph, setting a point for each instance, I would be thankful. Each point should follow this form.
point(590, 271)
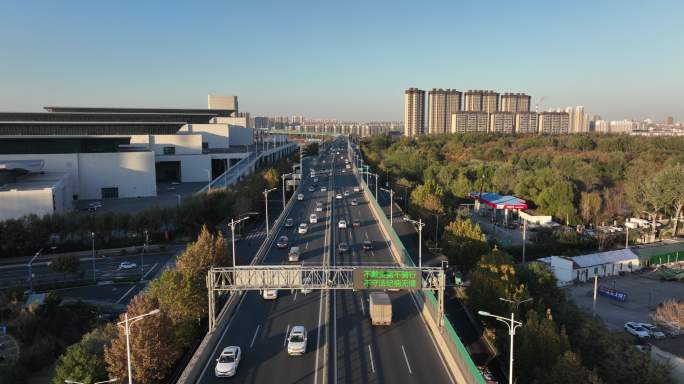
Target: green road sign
point(378, 278)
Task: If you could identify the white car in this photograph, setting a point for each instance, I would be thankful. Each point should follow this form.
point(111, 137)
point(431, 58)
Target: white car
point(227, 362)
point(313, 219)
point(307, 280)
point(636, 330)
point(357, 189)
point(296, 341)
point(315, 179)
point(270, 294)
point(354, 202)
point(128, 265)
point(346, 193)
point(653, 331)
point(338, 196)
point(311, 188)
point(342, 224)
point(319, 206)
point(303, 229)
point(324, 189)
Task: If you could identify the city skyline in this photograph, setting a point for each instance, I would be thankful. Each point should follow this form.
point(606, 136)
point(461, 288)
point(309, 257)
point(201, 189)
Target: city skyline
point(172, 55)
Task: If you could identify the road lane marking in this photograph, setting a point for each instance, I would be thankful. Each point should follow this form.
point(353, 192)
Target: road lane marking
point(366, 235)
point(255, 335)
point(125, 294)
point(286, 332)
point(209, 360)
point(363, 310)
point(373, 254)
point(370, 354)
point(295, 295)
point(150, 271)
point(406, 358)
point(306, 246)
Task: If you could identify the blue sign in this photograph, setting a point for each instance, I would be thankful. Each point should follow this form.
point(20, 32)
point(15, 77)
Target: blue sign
point(612, 293)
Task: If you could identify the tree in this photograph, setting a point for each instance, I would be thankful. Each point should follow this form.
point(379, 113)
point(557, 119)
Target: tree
point(669, 312)
point(569, 370)
point(558, 200)
point(428, 196)
point(464, 244)
point(271, 177)
point(647, 193)
point(672, 180)
point(153, 348)
point(84, 361)
point(538, 334)
point(66, 264)
point(590, 206)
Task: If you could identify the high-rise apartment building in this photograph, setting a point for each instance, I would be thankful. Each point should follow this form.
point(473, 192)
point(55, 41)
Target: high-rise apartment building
point(515, 102)
point(441, 105)
point(472, 101)
point(601, 126)
point(490, 101)
point(554, 122)
point(469, 121)
point(526, 122)
point(669, 120)
point(501, 122)
point(622, 126)
point(414, 112)
point(481, 101)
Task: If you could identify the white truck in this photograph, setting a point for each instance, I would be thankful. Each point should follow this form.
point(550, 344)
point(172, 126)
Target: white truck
point(380, 308)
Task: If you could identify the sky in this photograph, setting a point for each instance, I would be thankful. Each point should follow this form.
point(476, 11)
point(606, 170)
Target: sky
point(349, 60)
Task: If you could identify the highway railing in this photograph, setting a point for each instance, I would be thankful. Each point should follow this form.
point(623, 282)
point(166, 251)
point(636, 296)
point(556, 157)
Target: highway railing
point(453, 343)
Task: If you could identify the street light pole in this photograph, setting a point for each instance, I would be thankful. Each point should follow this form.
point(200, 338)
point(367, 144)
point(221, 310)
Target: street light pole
point(127, 330)
point(232, 232)
point(209, 176)
point(92, 237)
point(420, 239)
point(67, 381)
point(283, 177)
point(142, 254)
point(266, 192)
point(391, 193)
point(512, 324)
point(30, 271)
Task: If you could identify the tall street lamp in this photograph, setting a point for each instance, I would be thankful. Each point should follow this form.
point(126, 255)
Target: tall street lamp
point(30, 271)
point(209, 176)
point(284, 177)
point(391, 193)
point(420, 225)
point(376, 182)
point(437, 215)
point(97, 382)
point(232, 232)
point(142, 254)
point(512, 324)
point(266, 192)
point(127, 330)
point(92, 237)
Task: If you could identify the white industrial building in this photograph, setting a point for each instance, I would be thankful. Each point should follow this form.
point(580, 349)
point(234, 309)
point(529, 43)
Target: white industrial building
point(48, 160)
point(583, 268)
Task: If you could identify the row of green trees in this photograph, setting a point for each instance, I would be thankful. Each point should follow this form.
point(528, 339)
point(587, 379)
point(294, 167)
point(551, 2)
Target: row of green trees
point(557, 343)
point(72, 231)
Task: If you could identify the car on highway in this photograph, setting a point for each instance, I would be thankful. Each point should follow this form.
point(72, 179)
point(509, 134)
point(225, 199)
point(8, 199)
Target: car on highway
point(289, 223)
point(354, 202)
point(128, 265)
point(346, 193)
point(315, 179)
point(296, 341)
point(282, 242)
point(319, 206)
point(227, 362)
point(313, 219)
point(305, 281)
point(342, 248)
point(367, 245)
point(303, 229)
point(342, 224)
point(653, 331)
point(342, 171)
point(356, 223)
point(270, 294)
point(293, 255)
point(324, 189)
point(636, 330)
point(312, 188)
point(357, 189)
point(300, 196)
point(338, 196)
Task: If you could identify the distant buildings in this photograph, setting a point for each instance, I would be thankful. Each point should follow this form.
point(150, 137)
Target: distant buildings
point(554, 122)
point(515, 102)
point(526, 122)
point(441, 105)
point(481, 101)
point(469, 121)
point(414, 112)
point(501, 122)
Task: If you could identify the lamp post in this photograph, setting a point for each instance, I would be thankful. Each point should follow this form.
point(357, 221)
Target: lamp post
point(376, 182)
point(30, 271)
point(209, 177)
point(512, 324)
point(391, 193)
point(127, 330)
point(232, 232)
point(420, 225)
point(92, 237)
point(178, 196)
point(266, 192)
point(437, 215)
point(284, 176)
point(142, 254)
point(97, 382)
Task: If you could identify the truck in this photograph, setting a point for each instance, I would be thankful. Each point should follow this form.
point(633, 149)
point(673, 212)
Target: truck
point(293, 255)
point(380, 308)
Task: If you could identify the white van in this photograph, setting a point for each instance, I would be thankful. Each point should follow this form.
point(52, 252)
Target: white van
point(300, 197)
point(313, 219)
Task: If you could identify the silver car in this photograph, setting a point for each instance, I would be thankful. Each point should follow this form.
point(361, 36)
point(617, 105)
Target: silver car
point(227, 362)
point(296, 341)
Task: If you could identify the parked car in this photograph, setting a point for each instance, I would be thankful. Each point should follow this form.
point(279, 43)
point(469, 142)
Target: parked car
point(636, 329)
point(282, 242)
point(227, 362)
point(653, 331)
point(296, 341)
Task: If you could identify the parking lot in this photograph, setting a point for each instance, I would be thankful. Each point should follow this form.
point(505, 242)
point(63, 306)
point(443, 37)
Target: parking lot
point(644, 292)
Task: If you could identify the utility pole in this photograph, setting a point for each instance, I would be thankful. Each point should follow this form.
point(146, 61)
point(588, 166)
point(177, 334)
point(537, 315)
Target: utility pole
point(92, 237)
point(127, 331)
point(420, 225)
point(266, 192)
point(232, 232)
point(524, 239)
point(142, 254)
point(30, 271)
point(283, 177)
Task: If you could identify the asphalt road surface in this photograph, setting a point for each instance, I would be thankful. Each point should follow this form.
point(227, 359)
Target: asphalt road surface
point(347, 349)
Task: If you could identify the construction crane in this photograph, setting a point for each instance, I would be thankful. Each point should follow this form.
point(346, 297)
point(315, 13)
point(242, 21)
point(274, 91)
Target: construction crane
point(536, 106)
